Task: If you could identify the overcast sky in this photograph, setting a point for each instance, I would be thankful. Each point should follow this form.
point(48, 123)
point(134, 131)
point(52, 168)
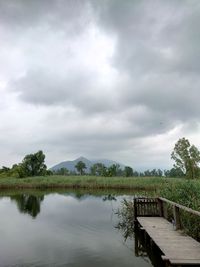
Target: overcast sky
point(116, 79)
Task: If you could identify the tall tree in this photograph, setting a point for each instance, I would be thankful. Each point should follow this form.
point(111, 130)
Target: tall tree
point(80, 166)
point(128, 171)
point(98, 169)
point(112, 170)
point(33, 164)
point(186, 157)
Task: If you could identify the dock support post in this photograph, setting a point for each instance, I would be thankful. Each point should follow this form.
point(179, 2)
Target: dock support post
point(177, 217)
point(135, 210)
point(160, 206)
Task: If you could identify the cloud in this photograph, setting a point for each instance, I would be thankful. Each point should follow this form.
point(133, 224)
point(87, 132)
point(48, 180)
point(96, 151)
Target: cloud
point(98, 78)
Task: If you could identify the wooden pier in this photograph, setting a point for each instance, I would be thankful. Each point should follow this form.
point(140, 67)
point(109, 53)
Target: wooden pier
point(177, 248)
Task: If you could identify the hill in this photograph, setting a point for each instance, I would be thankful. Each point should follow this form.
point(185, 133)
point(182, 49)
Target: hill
point(70, 165)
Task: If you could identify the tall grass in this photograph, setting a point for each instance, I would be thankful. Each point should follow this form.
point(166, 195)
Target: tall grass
point(85, 182)
point(186, 193)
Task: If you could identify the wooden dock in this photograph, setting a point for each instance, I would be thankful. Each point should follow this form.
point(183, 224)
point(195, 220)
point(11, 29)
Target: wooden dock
point(178, 249)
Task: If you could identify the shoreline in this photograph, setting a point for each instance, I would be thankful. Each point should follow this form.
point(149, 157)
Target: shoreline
point(85, 182)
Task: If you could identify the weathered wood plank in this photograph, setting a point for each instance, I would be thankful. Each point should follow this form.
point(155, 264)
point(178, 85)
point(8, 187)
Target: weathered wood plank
point(175, 245)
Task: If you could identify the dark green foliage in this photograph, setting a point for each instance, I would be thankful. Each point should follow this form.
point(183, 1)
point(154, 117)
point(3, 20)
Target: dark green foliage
point(174, 173)
point(187, 194)
point(4, 169)
point(112, 170)
point(49, 172)
point(15, 171)
point(98, 169)
point(80, 166)
point(33, 164)
point(62, 171)
point(186, 157)
point(128, 171)
point(151, 173)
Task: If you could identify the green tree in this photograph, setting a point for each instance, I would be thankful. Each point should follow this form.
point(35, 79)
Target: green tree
point(128, 171)
point(174, 172)
point(98, 169)
point(33, 164)
point(62, 171)
point(186, 157)
point(112, 170)
point(80, 166)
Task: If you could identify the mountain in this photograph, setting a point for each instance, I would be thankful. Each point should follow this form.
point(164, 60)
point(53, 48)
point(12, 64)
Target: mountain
point(70, 165)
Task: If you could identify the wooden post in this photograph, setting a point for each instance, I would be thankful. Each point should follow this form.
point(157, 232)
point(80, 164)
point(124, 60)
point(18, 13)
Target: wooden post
point(160, 206)
point(136, 243)
point(177, 217)
point(135, 210)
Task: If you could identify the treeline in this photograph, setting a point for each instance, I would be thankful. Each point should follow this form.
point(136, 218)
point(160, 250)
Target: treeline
point(99, 169)
point(31, 165)
point(185, 155)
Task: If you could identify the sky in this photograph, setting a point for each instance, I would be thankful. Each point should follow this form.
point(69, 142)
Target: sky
point(99, 78)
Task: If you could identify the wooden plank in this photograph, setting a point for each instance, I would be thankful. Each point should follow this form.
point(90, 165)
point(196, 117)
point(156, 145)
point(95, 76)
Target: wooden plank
point(177, 247)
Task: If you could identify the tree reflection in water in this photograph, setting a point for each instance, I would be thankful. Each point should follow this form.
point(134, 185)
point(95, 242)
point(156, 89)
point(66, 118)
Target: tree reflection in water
point(126, 219)
point(109, 197)
point(29, 204)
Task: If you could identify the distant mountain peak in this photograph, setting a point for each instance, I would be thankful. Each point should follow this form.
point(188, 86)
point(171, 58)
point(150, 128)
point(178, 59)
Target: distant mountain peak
point(70, 165)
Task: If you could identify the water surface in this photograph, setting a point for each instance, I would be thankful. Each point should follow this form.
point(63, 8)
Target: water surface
point(64, 229)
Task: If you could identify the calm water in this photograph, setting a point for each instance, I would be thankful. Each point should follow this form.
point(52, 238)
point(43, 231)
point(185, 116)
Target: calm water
point(64, 229)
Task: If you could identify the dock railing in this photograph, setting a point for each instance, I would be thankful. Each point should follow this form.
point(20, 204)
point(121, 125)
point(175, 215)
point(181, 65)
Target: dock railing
point(176, 210)
point(160, 206)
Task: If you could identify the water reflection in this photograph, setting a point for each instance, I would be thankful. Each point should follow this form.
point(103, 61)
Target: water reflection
point(109, 197)
point(144, 246)
point(73, 229)
point(29, 204)
point(126, 222)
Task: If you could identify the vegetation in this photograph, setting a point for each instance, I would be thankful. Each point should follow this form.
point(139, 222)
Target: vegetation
point(184, 192)
point(98, 169)
point(128, 171)
point(80, 166)
point(31, 165)
point(187, 158)
point(87, 182)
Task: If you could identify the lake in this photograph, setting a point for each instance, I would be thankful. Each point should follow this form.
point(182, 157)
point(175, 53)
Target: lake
point(64, 229)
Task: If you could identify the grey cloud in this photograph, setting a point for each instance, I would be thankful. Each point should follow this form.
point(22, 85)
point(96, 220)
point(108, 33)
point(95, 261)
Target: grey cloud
point(171, 95)
point(46, 87)
point(154, 36)
point(158, 47)
point(77, 89)
point(22, 14)
point(151, 87)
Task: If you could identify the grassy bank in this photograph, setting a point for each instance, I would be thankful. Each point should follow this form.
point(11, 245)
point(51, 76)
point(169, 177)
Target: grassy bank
point(183, 191)
point(86, 182)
